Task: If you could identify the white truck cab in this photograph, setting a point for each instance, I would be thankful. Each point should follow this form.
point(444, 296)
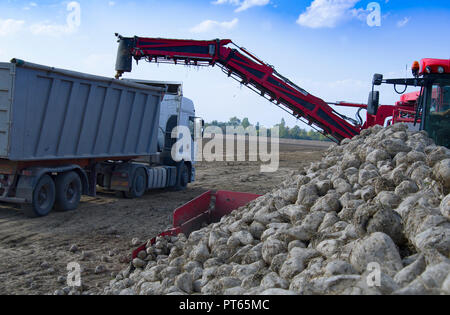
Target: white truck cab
point(176, 111)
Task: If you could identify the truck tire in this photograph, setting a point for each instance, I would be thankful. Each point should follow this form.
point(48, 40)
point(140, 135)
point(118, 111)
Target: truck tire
point(182, 177)
point(44, 196)
point(138, 184)
point(68, 191)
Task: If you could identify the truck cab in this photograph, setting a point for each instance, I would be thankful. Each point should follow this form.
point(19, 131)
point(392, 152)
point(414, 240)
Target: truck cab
point(176, 111)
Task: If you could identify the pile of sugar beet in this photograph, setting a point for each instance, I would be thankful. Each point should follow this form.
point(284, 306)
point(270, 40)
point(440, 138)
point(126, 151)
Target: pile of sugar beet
point(372, 217)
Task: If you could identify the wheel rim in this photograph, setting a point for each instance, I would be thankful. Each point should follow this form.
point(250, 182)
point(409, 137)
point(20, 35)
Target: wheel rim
point(139, 184)
point(43, 196)
point(184, 178)
point(71, 192)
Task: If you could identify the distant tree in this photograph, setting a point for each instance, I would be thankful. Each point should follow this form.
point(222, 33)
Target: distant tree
point(284, 131)
point(235, 122)
point(246, 123)
point(303, 134)
point(294, 133)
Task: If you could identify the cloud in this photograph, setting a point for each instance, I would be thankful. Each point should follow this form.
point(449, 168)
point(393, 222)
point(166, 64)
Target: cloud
point(73, 22)
point(210, 25)
point(31, 5)
point(328, 13)
point(243, 5)
point(10, 26)
point(233, 2)
point(403, 22)
point(247, 4)
point(360, 14)
point(45, 28)
point(347, 83)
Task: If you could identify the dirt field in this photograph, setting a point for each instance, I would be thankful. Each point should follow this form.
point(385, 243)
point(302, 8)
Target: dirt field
point(35, 253)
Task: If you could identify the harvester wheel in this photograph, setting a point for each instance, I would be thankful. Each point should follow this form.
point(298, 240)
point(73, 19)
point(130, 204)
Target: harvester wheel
point(68, 191)
point(44, 195)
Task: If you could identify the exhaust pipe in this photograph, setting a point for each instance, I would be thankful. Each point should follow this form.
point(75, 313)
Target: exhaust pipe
point(124, 61)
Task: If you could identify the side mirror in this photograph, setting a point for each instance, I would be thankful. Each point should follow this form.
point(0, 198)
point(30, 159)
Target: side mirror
point(199, 128)
point(377, 79)
point(373, 103)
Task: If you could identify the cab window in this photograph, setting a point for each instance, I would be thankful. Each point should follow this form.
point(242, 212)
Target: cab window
point(192, 127)
point(438, 119)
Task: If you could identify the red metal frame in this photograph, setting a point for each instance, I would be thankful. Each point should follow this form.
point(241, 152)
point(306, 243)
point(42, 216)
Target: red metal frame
point(250, 71)
point(409, 98)
point(191, 216)
point(227, 202)
point(398, 113)
point(403, 112)
point(346, 104)
point(434, 64)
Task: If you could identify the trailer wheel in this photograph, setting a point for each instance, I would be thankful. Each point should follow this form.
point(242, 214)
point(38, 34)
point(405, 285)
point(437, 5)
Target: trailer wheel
point(138, 184)
point(68, 191)
point(44, 195)
point(182, 178)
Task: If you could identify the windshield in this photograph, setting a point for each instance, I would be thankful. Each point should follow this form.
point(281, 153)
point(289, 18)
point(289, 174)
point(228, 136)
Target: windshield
point(438, 120)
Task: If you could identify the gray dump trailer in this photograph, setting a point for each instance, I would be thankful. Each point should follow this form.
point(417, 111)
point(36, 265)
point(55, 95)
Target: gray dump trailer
point(63, 133)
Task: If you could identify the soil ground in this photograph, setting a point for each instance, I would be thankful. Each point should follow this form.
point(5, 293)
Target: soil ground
point(34, 253)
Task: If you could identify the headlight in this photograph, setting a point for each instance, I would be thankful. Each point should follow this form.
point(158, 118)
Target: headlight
point(428, 69)
point(441, 69)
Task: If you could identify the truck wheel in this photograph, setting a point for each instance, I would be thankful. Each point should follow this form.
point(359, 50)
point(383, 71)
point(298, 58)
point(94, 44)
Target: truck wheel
point(43, 198)
point(68, 191)
point(138, 184)
point(183, 177)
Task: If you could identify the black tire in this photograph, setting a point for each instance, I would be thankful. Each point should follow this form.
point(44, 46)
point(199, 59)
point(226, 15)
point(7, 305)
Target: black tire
point(44, 195)
point(138, 184)
point(68, 191)
point(182, 177)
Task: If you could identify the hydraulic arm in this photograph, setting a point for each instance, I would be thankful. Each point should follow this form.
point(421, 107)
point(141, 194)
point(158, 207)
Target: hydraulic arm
point(246, 68)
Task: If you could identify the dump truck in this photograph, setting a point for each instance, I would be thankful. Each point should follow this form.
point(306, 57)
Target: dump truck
point(64, 133)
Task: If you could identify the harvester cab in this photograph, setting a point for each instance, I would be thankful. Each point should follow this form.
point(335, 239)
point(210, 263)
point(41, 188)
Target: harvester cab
point(432, 105)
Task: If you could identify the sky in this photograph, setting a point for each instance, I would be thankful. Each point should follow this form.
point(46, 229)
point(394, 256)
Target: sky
point(328, 47)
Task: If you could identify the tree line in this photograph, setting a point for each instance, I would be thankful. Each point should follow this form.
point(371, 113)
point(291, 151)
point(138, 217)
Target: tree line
point(285, 132)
